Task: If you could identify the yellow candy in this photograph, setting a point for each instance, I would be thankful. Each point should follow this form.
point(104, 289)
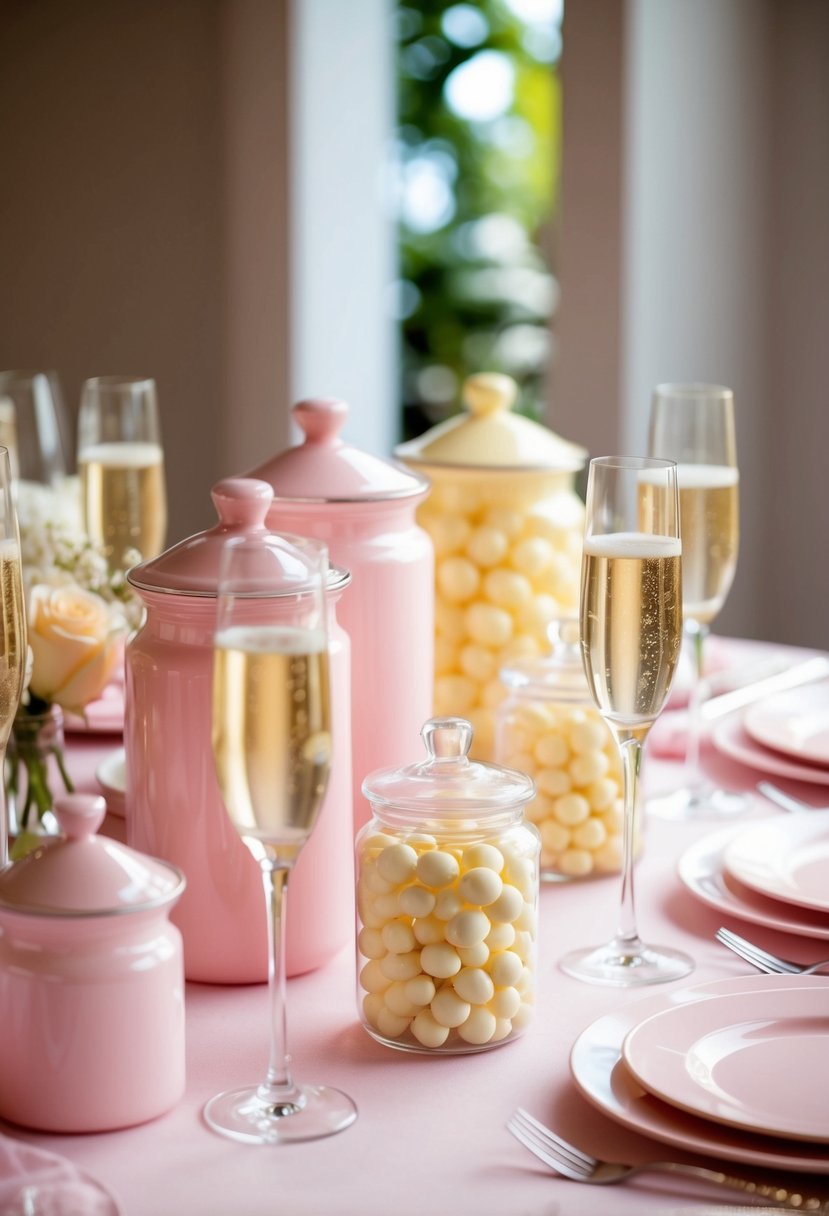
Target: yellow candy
point(507, 589)
point(487, 546)
point(457, 579)
point(488, 624)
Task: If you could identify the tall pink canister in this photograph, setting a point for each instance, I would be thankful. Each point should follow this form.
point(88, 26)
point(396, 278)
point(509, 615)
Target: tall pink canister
point(174, 809)
point(363, 507)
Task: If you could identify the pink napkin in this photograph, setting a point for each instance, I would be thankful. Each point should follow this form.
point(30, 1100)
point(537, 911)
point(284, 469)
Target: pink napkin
point(32, 1180)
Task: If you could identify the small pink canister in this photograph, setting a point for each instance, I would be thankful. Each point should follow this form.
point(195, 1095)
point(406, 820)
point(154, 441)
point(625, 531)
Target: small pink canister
point(91, 981)
point(174, 808)
point(363, 508)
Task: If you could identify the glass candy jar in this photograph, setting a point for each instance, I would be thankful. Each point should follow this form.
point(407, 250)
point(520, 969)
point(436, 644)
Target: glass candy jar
point(447, 901)
point(549, 728)
point(507, 525)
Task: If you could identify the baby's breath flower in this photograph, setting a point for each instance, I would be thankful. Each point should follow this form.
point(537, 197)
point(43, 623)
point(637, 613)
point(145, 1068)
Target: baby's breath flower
point(56, 551)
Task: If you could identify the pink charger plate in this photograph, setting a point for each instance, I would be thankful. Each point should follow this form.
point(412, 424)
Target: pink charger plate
point(702, 871)
point(733, 740)
point(602, 1077)
point(755, 1058)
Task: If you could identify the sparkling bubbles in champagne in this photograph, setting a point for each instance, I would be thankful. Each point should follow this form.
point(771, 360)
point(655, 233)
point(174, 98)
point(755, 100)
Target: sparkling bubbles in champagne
point(631, 609)
point(271, 729)
point(12, 638)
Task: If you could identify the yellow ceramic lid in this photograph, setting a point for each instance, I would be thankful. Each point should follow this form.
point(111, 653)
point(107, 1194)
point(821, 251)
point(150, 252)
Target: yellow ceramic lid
point(489, 435)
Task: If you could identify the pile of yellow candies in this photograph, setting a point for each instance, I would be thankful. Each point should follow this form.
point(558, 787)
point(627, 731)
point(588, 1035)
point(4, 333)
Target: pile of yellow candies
point(446, 943)
point(508, 563)
point(570, 753)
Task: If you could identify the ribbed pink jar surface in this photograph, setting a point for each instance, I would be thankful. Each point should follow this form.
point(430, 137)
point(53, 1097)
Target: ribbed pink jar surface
point(363, 508)
point(174, 808)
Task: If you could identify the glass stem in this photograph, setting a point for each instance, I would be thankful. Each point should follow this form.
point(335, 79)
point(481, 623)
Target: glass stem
point(698, 634)
point(4, 813)
point(278, 1090)
point(630, 746)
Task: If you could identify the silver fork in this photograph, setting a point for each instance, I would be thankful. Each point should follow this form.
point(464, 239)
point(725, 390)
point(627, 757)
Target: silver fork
point(571, 1162)
point(763, 960)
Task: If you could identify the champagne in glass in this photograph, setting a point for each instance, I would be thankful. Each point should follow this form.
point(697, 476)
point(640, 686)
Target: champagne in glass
point(693, 424)
point(33, 426)
point(13, 642)
point(272, 748)
point(631, 628)
point(121, 466)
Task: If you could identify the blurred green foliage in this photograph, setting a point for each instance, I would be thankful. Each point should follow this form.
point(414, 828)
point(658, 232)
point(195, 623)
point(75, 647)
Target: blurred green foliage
point(478, 149)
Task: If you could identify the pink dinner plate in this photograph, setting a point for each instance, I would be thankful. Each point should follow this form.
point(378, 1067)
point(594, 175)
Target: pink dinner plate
point(755, 1059)
point(702, 871)
point(731, 738)
point(795, 722)
point(603, 1078)
point(786, 858)
point(111, 775)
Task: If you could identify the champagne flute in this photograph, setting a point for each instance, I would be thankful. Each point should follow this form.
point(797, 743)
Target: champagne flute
point(13, 643)
point(121, 466)
point(272, 746)
point(693, 424)
point(33, 426)
point(631, 631)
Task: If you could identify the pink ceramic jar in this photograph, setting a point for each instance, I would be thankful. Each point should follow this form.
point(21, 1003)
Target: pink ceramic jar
point(174, 808)
point(91, 982)
point(363, 508)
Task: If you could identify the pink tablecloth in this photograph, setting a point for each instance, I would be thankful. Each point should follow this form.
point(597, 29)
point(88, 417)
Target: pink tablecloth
point(430, 1135)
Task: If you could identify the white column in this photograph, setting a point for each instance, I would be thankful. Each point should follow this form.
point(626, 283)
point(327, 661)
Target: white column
point(342, 245)
point(697, 259)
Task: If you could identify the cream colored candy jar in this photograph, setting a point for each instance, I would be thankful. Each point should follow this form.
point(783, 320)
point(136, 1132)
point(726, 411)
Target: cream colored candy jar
point(447, 901)
point(506, 525)
point(549, 728)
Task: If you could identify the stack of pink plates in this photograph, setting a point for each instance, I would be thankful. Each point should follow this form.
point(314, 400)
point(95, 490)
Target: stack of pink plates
point(735, 1069)
point(773, 872)
point(785, 735)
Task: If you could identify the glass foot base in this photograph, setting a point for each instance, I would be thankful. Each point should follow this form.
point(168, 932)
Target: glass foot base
point(690, 804)
point(628, 965)
point(241, 1115)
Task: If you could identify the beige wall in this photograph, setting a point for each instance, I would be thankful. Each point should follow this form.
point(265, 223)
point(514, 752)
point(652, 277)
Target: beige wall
point(145, 228)
point(126, 222)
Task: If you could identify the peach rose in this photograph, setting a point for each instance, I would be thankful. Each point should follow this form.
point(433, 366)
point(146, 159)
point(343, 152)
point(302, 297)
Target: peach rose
point(74, 645)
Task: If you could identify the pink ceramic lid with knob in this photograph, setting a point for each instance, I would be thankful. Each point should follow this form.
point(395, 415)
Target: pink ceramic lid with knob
point(82, 874)
point(324, 468)
point(192, 566)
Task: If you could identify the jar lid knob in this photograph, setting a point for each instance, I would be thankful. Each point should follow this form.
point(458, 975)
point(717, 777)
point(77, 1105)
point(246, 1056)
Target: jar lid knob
point(447, 738)
point(80, 815)
point(242, 501)
point(320, 418)
point(488, 392)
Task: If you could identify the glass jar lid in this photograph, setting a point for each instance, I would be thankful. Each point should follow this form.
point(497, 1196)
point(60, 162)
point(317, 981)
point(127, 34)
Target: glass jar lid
point(192, 566)
point(557, 676)
point(489, 435)
point(324, 468)
point(447, 781)
point(82, 874)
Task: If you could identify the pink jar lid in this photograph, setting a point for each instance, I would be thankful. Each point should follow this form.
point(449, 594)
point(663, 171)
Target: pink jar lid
point(81, 874)
point(447, 781)
point(323, 468)
point(192, 566)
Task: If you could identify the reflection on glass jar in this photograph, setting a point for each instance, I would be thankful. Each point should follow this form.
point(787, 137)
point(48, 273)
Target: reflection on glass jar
point(548, 727)
point(447, 901)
